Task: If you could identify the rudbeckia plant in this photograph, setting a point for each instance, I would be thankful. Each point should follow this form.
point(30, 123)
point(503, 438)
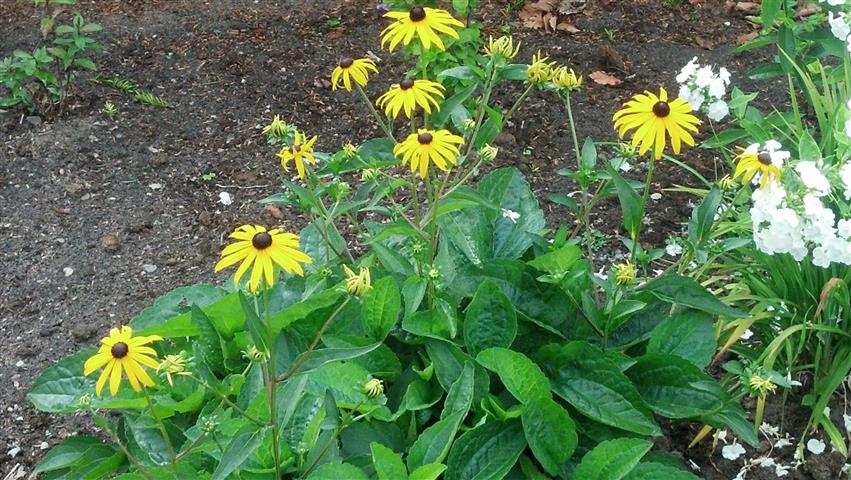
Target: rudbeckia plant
point(420, 325)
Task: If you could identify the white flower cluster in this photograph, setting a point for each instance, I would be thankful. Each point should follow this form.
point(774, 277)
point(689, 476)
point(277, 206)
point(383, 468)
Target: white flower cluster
point(704, 90)
point(812, 227)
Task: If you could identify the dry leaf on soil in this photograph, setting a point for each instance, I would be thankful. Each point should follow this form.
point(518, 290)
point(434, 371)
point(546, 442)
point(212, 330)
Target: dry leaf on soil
point(604, 78)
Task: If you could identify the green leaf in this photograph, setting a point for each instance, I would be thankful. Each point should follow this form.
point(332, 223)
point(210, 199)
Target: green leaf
point(256, 327)
point(724, 138)
point(146, 433)
point(514, 71)
point(581, 374)
point(675, 388)
point(550, 432)
point(337, 471)
point(630, 203)
point(85, 63)
point(70, 452)
point(461, 73)
point(213, 345)
point(427, 472)
point(658, 471)
point(685, 291)
point(460, 395)
point(449, 362)
point(768, 13)
point(612, 459)
point(381, 308)
point(59, 387)
point(469, 232)
point(429, 323)
point(734, 417)
point(392, 260)
point(299, 311)
point(557, 262)
point(507, 188)
point(388, 464)
point(808, 149)
point(689, 334)
point(413, 292)
point(521, 377)
point(168, 317)
point(432, 445)
point(324, 356)
point(439, 118)
point(486, 452)
point(589, 154)
point(420, 395)
point(703, 217)
point(490, 320)
point(238, 451)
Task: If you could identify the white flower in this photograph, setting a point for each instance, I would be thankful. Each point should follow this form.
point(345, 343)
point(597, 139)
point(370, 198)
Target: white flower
point(843, 228)
point(717, 87)
point(834, 2)
point(510, 214)
point(703, 77)
point(688, 70)
point(747, 334)
point(815, 446)
point(674, 249)
point(625, 167)
point(732, 451)
point(225, 198)
point(793, 383)
point(764, 462)
point(845, 174)
point(718, 110)
point(813, 178)
point(781, 470)
point(839, 26)
point(783, 442)
point(724, 75)
point(769, 429)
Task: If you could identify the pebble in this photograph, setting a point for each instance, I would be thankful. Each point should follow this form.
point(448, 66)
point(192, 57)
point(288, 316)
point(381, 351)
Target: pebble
point(109, 243)
point(19, 363)
point(44, 445)
point(68, 271)
point(655, 196)
point(14, 451)
point(34, 120)
point(149, 268)
point(155, 186)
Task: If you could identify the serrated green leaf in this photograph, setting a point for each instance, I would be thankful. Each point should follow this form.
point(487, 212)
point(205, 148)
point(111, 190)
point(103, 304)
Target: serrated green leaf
point(433, 444)
point(685, 291)
point(460, 395)
point(337, 471)
point(380, 308)
point(238, 451)
point(689, 334)
point(550, 432)
point(427, 472)
point(675, 388)
point(658, 471)
point(521, 377)
point(388, 464)
point(612, 459)
point(487, 452)
point(490, 320)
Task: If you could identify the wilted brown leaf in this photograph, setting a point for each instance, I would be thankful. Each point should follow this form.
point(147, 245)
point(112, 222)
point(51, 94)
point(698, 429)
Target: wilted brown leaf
point(274, 211)
point(566, 26)
point(746, 38)
point(604, 78)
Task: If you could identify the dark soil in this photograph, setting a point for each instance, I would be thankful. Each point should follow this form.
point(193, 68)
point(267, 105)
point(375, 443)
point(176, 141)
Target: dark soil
point(100, 216)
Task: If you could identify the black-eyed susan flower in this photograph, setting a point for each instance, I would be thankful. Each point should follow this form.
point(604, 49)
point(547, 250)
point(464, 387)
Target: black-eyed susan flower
point(764, 161)
point(119, 353)
point(423, 22)
point(408, 94)
point(539, 71)
point(438, 146)
point(299, 152)
point(261, 250)
point(566, 79)
point(352, 69)
point(655, 119)
point(624, 273)
point(359, 283)
point(503, 46)
point(278, 128)
point(173, 365)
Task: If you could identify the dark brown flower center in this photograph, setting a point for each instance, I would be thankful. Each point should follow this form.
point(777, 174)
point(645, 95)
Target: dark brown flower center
point(406, 84)
point(764, 158)
point(661, 109)
point(346, 62)
point(119, 350)
point(296, 148)
point(417, 14)
point(424, 138)
point(261, 240)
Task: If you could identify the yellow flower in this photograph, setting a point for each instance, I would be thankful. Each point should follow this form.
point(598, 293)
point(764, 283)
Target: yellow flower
point(566, 79)
point(539, 70)
point(752, 161)
point(350, 151)
point(624, 273)
point(655, 118)
point(502, 47)
point(762, 386)
point(352, 69)
point(726, 182)
point(426, 145)
point(301, 151)
point(373, 388)
point(423, 22)
point(261, 250)
point(278, 128)
point(173, 365)
point(122, 352)
point(357, 284)
point(369, 174)
point(409, 94)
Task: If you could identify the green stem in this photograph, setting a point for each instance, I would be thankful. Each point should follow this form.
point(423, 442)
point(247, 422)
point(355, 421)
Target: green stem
point(123, 448)
point(384, 126)
point(651, 165)
point(271, 385)
point(161, 427)
point(304, 356)
point(585, 214)
point(517, 103)
point(229, 403)
point(480, 112)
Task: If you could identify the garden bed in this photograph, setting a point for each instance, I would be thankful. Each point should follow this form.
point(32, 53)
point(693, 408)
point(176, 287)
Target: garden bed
point(103, 215)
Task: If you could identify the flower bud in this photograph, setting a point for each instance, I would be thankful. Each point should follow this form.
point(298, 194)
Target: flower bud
point(350, 151)
point(502, 47)
point(488, 152)
point(373, 388)
point(255, 355)
point(624, 273)
point(357, 284)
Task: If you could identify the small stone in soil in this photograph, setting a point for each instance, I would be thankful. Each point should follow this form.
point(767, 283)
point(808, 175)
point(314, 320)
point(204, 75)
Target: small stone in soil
point(109, 243)
point(68, 271)
point(149, 268)
point(19, 363)
point(14, 451)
